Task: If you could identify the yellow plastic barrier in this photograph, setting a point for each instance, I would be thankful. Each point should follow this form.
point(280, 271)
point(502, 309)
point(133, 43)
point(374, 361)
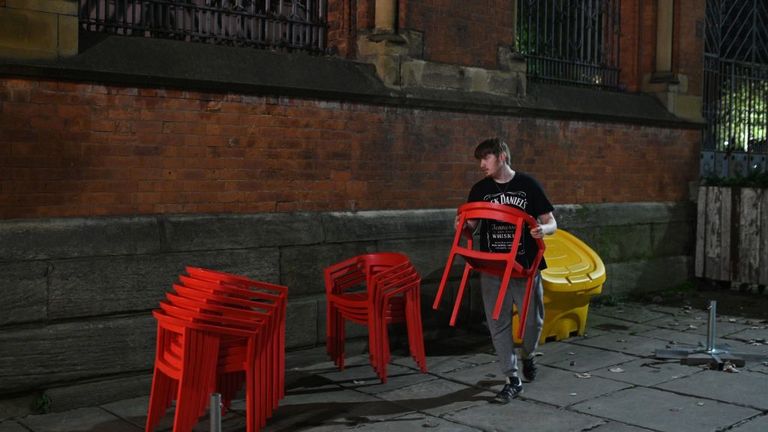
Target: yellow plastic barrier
point(574, 274)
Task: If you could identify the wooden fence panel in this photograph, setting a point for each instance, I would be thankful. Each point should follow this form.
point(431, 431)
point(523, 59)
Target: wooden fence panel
point(748, 264)
point(763, 250)
point(732, 235)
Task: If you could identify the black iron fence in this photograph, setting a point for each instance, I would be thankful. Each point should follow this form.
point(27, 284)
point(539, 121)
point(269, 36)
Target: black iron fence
point(735, 105)
point(573, 42)
point(273, 24)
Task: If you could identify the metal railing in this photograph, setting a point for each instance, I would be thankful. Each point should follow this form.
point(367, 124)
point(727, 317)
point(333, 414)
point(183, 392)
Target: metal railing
point(735, 93)
point(272, 24)
point(573, 42)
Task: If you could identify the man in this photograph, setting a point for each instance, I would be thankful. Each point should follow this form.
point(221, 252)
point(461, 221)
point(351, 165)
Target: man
point(503, 185)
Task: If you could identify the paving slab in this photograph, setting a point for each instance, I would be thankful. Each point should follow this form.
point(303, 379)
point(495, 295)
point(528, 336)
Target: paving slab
point(612, 426)
point(632, 312)
point(700, 325)
point(438, 396)
point(413, 422)
point(562, 388)
point(625, 343)
point(327, 410)
point(646, 372)
point(669, 310)
point(134, 411)
point(487, 376)
point(598, 325)
point(91, 419)
point(363, 378)
point(752, 334)
point(579, 358)
point(447, 363)
point(12, 426)
point(677, 338)
point(664, 411)
point(757, 424)
point(744, 388)
point(525, 415)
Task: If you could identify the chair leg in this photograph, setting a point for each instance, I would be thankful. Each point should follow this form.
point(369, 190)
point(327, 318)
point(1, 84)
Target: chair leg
point(443, 281)
point(160, 398)
point(415, 330)
point(502, 291)
point(524, 306)
point(460, 294)
point(197, 380)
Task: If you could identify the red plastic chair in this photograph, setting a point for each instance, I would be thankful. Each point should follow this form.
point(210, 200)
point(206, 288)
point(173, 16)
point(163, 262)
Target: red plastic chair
point(186, 367)
point(263, 294)
point(235, 356)
point(216, 333)
point(374, 290)
point(240, 291)
point(503, 265)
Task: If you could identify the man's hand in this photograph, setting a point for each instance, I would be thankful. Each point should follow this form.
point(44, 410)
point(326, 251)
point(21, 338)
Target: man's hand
point(471, 223)
point(547, 226)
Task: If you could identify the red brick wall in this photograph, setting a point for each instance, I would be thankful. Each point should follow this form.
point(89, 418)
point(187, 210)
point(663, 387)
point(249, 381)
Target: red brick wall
point(84, 150)
point(459, 32)
point(688, 46)
point(346, 20)
point(638, 42)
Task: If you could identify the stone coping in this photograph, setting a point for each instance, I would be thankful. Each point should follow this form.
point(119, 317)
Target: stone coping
point(157, 62)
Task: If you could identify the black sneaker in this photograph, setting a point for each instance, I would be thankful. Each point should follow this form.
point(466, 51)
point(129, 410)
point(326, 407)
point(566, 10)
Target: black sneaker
point(510, 391)
point(529, 369)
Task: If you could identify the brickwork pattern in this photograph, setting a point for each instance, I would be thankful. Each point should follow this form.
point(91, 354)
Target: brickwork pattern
point(72, 149)
point(461, 33)
point(688, 44)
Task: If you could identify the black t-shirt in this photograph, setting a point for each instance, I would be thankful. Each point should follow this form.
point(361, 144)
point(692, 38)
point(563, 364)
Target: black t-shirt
point(523, 192)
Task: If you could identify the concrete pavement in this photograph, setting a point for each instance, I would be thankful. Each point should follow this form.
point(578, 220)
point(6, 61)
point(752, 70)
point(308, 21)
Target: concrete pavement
point(606, 381)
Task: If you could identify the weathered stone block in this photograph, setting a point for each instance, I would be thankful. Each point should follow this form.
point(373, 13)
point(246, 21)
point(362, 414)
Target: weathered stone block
point(98, 392)
point(674, 238)
point(428, 254)
point(383, 225)
point(77, 237)
point(622, 243)
point(301, 268)
point(647, 275)
point(35, 357)
point(24, 292)
point(64, 7)
point(68, 35)
point(28, 31)
point(301, 326)
point(187, 233)
point(104, 285)
point(572, 216)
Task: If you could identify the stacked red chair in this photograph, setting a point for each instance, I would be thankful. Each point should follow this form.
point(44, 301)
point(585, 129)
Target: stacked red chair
point(216, 333)
point(503, 265)
point(374, 290)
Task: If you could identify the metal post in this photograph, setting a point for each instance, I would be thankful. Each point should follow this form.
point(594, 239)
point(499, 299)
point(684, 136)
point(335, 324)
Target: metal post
point(215, 412)
point(711, 328)
point(711, 355)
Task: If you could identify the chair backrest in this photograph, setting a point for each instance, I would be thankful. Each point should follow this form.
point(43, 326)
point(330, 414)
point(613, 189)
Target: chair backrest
point(499, 212)
point(395, 279)
point(364, 271)
point(233, 279)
